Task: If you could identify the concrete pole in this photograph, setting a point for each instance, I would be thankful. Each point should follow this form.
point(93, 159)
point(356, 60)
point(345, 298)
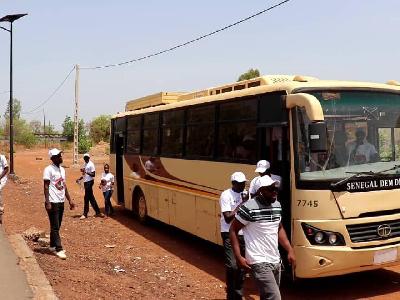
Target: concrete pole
point(76, 118)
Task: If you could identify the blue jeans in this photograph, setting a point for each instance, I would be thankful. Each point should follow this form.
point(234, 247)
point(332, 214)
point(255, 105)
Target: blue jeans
point(268, 278)
point(234, 274)
point(109, 210)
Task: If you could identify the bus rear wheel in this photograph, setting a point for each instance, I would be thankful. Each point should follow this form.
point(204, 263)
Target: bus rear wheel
point(141, 208)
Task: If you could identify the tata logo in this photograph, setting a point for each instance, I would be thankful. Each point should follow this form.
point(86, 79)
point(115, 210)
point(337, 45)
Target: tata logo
point(384, 230)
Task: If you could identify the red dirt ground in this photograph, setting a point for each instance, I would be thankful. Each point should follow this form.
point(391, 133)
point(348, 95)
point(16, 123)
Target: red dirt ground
point(160, 262)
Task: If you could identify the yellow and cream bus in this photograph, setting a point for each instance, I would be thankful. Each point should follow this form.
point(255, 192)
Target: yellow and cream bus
point(336, 144)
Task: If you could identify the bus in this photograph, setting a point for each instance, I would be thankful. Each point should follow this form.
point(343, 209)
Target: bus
point(336, 144)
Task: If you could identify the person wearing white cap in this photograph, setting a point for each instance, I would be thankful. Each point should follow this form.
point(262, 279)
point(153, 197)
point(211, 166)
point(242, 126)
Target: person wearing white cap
point(260, 220)
point(88, 174)
point(55, 192)
point(3, 180)
point(230, 201)
point(263, 168)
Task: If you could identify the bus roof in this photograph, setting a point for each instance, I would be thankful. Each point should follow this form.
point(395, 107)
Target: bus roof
point(270, 83)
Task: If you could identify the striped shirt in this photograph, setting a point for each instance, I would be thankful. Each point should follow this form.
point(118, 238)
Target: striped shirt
point(261, 224)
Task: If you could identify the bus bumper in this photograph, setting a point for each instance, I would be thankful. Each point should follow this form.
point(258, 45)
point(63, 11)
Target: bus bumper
point(314, 261)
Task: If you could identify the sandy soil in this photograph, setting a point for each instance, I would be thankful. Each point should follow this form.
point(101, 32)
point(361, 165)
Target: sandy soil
point(158, 261)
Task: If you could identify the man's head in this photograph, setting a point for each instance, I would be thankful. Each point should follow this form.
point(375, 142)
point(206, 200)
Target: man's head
point(86, 157)
point(268, 188)
point(55, 156)
point(360, 135)
point(106, 168)
point(238, 180)
point(262, 167)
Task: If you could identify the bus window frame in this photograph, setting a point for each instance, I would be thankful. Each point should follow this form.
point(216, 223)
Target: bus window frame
point(157, 128)
point(129, 130)
point(163, 126)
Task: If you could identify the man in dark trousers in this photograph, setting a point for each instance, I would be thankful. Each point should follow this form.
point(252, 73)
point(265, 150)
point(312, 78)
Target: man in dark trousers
point(260, 219)
point(88, 174)
point(230, 201)
point(55, 192)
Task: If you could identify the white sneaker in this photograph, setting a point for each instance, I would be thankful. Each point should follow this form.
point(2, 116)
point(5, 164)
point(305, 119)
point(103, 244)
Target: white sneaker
point(83, 217)
point(61, 254)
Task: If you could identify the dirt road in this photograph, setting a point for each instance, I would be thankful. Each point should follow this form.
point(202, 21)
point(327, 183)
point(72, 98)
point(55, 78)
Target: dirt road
point(120, 258)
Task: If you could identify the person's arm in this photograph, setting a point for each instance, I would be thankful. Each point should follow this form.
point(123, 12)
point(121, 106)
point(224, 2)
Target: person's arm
point(236, 226)
point(71, 203)
point(4, 173)
point(46, 184)
point(284, 242)
point(230, 215)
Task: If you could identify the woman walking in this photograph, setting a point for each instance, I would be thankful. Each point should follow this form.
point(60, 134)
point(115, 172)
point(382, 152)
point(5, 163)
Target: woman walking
point(106, 185)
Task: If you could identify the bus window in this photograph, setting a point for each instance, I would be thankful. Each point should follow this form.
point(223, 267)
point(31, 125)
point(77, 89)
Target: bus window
point(150, 134)
point(237, 131)
point(200, 131)
point(133, 134)
point(172, 133)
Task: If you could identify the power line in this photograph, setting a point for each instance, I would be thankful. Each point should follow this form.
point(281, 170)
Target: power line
point(51, 95)
point(4, 92)
point(188, 42)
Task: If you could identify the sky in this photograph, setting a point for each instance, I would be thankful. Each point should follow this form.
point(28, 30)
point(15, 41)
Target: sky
point(341, 39)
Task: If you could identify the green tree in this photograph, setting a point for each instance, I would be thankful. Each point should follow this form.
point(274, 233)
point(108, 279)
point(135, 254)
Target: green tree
point(100, 128)
point(16, 109)
point(84, 142)
point(251, 73)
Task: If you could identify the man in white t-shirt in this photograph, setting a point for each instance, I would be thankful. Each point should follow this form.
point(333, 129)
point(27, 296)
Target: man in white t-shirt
point(230, 201)
point(263, 168)
point(88, 173)
point(3, 180)
point(55, 192)
point(260, 220)
point(361, 151)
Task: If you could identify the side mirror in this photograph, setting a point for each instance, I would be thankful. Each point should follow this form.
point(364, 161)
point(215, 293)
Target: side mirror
point(318, 137)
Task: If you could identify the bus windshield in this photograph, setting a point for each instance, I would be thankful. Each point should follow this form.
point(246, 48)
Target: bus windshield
point(363, 136)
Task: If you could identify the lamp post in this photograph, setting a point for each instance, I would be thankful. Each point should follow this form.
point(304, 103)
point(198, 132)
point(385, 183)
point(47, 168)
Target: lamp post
point(10, 19)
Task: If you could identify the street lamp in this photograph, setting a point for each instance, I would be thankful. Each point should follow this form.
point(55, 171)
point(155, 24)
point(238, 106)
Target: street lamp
point(10, 19)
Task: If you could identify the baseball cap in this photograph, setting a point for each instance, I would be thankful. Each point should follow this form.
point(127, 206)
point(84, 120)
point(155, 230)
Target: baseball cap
point(54, 152)
point(262, 166)
point(267, 181)
point(238, 177)
point(86, 155)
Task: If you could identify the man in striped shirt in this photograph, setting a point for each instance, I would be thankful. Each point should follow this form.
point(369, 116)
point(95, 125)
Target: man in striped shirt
point(260, 220)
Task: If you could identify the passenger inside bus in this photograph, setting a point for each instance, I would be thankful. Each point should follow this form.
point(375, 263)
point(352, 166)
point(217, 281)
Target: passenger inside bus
point(340, 154)
point(361, 151)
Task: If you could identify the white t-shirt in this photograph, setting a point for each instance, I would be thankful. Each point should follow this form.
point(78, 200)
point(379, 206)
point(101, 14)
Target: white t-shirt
point(109, 178)
point(254, 186)
point(260, 231)
point(3, 165)
point(363, 153)
point(228, 201)
point(56, 175)
point(89, 168)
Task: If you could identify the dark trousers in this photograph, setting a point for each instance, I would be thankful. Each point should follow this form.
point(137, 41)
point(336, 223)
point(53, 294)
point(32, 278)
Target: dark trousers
point(55, 218)
point(234, 274)
point(107, 202)
point(268, 278)
point(89, 197)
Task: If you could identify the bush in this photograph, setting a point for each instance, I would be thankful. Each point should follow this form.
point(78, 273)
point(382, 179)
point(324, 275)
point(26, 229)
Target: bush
point(84, 145)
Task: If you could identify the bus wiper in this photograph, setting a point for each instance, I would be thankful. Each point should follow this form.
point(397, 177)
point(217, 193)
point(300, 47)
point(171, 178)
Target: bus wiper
point(395, 167)
point(355, 175)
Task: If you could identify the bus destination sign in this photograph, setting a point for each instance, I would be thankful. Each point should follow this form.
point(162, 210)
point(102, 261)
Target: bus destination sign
point(372, 185)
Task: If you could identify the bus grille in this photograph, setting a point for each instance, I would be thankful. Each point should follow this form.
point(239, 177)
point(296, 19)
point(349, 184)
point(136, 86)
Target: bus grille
point(369, 231)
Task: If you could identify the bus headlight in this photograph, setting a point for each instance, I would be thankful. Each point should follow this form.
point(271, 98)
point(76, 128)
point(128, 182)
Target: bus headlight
point(322, 237)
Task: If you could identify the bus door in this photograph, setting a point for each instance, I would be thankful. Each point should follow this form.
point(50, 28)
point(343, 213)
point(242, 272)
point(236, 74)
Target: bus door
point(119, 172)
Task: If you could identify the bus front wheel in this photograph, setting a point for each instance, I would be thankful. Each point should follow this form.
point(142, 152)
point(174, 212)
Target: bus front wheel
point(142, 208)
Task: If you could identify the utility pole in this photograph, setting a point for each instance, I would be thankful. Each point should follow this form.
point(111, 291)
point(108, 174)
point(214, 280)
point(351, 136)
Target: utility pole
point(44, 129)
point(76, 119)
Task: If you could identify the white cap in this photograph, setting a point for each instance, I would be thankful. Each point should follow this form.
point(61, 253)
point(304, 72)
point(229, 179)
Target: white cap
point(267, 181)
point(238, 177)
point(86, 155)
point(54, 152)
point(262, 166)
